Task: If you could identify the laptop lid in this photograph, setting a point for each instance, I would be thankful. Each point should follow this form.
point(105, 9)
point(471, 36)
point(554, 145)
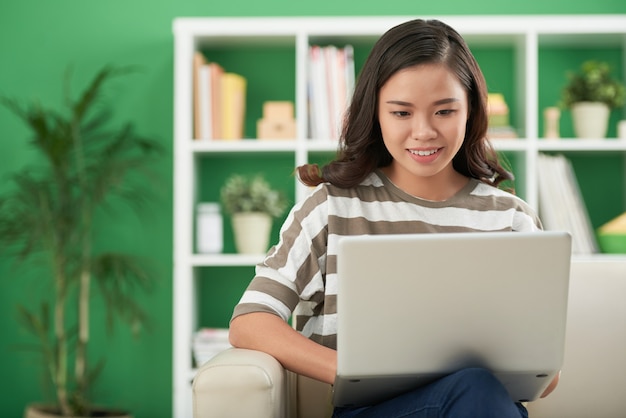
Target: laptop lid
point(415, 307)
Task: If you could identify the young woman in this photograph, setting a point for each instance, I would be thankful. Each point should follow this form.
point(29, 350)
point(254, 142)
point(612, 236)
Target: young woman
point(413, 158)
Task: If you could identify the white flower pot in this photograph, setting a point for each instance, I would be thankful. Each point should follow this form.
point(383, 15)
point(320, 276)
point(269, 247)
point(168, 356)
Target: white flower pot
point(252, 232)
point(590, 119)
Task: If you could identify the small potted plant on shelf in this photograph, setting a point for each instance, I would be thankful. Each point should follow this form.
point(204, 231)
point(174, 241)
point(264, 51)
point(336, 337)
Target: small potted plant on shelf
point(48, 218)
point(252, 204)
point(591, 94)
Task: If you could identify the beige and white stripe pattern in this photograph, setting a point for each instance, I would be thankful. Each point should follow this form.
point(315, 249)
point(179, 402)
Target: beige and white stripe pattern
point(298, 276)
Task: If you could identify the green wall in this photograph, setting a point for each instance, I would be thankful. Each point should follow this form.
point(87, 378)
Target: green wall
point(39, 40)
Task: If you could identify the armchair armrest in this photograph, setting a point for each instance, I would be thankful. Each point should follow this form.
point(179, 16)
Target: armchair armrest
point(241, 383)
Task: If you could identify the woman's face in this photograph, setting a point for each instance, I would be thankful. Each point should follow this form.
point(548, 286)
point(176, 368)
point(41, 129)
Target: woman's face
point(423, 112)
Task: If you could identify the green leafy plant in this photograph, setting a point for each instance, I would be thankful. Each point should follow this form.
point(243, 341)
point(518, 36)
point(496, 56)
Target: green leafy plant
point(251, 194)
point(593, 83)
point(48, 214)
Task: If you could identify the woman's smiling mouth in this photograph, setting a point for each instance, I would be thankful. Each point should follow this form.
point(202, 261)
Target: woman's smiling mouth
point(424, 153)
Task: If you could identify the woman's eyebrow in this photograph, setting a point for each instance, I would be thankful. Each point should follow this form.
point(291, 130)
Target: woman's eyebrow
point(399, 102)
point(436, 103)
point(446, 101)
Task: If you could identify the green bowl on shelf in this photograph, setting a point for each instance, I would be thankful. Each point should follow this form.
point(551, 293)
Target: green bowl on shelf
point(612, 243)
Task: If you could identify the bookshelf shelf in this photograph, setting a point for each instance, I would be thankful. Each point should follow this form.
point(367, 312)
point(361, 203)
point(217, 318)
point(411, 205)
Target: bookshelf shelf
point(243, 146)
point(322, 146)
point(510, 144)
point(524, 57)
point(590, 145)
point(224, 260)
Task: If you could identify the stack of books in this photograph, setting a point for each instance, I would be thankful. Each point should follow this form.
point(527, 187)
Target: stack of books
point(219, 101)
point(208, 342)
point(561, 205)
point(331, 79)
point(498, 113)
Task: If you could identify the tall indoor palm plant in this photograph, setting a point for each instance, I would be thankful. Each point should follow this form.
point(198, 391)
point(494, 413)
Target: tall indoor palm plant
point(50, 210)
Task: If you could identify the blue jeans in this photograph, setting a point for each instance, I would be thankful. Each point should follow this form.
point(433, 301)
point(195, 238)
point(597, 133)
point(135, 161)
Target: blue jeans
point(469, 393)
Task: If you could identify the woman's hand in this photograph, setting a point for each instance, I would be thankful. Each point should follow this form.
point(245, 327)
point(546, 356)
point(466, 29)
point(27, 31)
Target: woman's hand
point(552, 385)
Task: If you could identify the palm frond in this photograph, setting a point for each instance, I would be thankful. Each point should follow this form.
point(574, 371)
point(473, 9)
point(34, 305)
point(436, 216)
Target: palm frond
point(37, 324)
point(119, 277)
point(94, 89)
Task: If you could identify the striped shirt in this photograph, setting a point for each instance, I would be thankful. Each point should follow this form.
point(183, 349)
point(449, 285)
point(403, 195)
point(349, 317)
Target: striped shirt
point(299, 276)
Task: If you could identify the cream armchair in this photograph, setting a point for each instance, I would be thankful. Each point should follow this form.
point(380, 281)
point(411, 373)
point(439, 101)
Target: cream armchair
point(243, 383)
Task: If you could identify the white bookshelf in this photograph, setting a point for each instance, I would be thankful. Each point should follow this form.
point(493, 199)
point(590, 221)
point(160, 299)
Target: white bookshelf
point(526, 35)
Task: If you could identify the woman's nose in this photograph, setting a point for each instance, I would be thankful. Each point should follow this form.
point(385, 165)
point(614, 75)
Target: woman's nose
point(422, 128)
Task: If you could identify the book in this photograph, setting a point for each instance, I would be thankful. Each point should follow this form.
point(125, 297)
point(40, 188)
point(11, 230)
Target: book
point(206, 98)
point(205, 129)
point(208, 342)
point(233, 106)
point(199, 131)
point(349, 79)
point(331, 78)
point(498, 113)
point(216, 73)
point(317, 93)
point(332, 60)
point(561, 205)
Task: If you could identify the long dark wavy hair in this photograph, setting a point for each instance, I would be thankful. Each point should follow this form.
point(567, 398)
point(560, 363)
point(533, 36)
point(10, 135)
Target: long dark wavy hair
point(361, 146)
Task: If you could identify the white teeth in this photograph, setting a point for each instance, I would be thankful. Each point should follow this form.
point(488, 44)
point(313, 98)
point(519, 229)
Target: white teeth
point(423, 153)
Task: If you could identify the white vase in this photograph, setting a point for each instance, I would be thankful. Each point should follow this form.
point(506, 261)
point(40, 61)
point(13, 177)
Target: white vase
point(590, 119)
point(252, 232)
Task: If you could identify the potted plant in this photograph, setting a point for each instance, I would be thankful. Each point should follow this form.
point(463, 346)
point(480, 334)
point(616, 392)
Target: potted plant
point(252, 204)
point(48, 218)
point(591, 94)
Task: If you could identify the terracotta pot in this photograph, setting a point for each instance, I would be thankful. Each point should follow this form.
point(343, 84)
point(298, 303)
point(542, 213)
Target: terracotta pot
point(46, 411)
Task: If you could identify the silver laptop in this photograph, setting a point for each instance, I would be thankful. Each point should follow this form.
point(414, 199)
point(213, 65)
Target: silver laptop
point(414, 308)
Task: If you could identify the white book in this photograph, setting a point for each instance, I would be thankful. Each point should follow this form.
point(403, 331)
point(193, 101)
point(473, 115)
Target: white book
point(561, 205)
point(579, 211)
point(350, 74)
point(205, 111)
point(331, 81)
point(345, 85)
point(331, 55)
point(547, 188)
point(317, 94)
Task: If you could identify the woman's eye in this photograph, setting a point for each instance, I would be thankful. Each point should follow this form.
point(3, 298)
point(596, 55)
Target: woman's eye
point(400, 113)
point(445, 112)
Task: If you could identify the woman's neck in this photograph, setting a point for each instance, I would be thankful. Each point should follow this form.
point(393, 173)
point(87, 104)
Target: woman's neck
point(437, 188)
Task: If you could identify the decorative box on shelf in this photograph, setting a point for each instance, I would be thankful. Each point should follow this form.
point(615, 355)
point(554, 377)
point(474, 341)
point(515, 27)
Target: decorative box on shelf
point(277, 122)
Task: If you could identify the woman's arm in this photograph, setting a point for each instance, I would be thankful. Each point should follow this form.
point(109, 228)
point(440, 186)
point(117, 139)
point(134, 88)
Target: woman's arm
point(269, 333)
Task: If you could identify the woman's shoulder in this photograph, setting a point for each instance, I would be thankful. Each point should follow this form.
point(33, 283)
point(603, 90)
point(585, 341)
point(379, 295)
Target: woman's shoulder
point(372, 181)
point(525, 217)
point(480, 188)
